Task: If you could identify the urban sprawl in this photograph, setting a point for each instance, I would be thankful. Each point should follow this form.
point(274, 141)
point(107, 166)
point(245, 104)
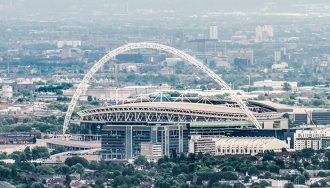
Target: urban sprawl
point(122, 94)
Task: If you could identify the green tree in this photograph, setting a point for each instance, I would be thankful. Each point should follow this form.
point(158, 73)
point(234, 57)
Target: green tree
point(5, 172)
point(79, 168)
point(10, 121)
point(253, 171)
point(221, 185)
point(3, 155)
point(62, 169)
point(28, 153)
point(38, 185)
point(17, 156)
point(261, 184)
point(239, 185)
point(100, 182)
point(300, 179)
point(58, 149)
point(228, 168)
point(40, 152)
point(318, 102)
point(274, 168)
point(247, 179)
point(268, 156)
point(306, 153)
point(45, 170)
point(327, 154)
point(287, 87)
point(325, 165)
point(261, 97)
point(268, 175)
point(58, 186)
point(228, 176)
point(89, 98)
point(13, 172)
point(289, 185)
point(75, 160)
point(23, 128)
point(26, 93)
point(26, 120)
point(141, 160)
point(67, 181)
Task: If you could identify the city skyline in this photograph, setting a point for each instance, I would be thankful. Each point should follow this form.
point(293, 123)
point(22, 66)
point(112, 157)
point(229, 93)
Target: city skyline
point(163, 94)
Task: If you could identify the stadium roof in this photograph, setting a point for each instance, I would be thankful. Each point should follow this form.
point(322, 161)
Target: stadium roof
point(272, 106)
point(187, 106)
point(170, 112)
point(267, 143)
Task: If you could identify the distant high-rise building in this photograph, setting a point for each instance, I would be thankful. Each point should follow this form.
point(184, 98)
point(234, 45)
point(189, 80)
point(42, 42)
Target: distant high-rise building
point(277, 56)
point(264, 33)
point(214, 32)
point(242, 54)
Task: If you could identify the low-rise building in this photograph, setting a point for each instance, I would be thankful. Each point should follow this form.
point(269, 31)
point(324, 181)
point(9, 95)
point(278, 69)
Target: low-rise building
point(198, 144)
point(316, 139)
point(16, 138)
point(275, 84)
point(236, 145)
point(52, 180)
point(151, 150)
point(315, 173)
point(289, 171)
point(7, 91)
point(279, 66)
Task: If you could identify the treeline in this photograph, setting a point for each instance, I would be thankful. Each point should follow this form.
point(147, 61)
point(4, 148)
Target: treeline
point(177, 170)
point(55, 88)
point(43, 124)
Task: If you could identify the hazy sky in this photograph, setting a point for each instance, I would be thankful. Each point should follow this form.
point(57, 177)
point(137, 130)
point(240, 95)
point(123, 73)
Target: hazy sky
point(12, 8)
point(162, 4)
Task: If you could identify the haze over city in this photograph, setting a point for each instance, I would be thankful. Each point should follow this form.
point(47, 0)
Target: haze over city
point(175, 93)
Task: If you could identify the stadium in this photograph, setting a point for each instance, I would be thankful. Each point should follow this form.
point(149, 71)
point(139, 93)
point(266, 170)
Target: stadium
point(124, 127)
point(164, 127)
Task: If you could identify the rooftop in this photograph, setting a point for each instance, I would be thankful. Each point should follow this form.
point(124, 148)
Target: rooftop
point(273, 106)
point(74, 143)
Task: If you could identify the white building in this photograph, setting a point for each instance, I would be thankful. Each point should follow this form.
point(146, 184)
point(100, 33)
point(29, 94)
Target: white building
point(171, 62)
point(313, 138)
point(275, 84)
point(236, 145)
point(197, 144)
point(214, 32)
point(118, 93)
point(264, 33)
point(7, 91)
point(151, 150)
point(70, 43)
point(278, 66)
point(248, 145)
point(222, 61)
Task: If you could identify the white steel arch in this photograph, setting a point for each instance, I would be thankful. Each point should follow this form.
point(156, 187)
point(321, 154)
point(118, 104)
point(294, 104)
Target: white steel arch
point(82, 87)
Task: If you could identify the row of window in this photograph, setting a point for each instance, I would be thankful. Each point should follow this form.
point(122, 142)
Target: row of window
point(241, 151)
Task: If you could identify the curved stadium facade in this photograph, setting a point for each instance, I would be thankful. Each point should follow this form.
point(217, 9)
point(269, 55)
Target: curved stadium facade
point(170, 124)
